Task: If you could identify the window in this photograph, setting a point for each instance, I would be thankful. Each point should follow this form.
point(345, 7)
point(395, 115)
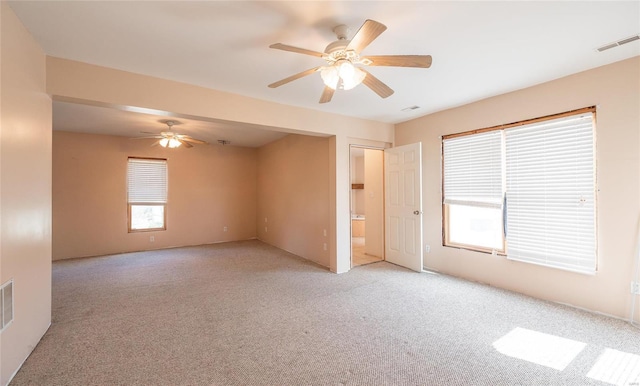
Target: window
point(526, 190)
point(474, 190)
point(147, 194)
point(551, 193)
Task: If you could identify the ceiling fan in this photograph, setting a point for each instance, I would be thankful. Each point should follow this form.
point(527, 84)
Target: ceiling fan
point(342, 55)
point(172, 139)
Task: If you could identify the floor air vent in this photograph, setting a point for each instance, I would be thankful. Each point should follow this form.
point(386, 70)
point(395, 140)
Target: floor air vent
point(6, 304)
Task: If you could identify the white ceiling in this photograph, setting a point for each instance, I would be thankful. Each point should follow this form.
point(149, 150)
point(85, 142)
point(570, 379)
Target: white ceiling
point(105, 120)
point(479, 49)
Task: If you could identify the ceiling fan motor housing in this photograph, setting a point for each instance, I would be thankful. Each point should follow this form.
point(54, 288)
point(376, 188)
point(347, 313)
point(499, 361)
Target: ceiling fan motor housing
point(338, 45)
point(337, 50)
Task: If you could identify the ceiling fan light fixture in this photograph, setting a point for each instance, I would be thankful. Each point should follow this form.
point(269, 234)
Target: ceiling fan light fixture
point(351, 75)
point(330, 77)
point(171, 143)
point(342, 74)
point(171, 139)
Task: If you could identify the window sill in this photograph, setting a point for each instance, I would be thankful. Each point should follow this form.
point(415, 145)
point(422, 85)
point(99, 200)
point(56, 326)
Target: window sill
point(477, 249)
point(147, 230)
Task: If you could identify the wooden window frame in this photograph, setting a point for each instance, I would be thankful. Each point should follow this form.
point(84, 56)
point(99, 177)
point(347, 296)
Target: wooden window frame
point(164, 205)
point(164, 220)
point(448, 243)
point(445, 207)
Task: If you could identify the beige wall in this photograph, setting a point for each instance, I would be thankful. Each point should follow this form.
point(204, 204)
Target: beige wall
point(210, 187)
point(293, 195)
point(25, 191)
point(374, 202)
point(71, 80)
point(614, 89)
point(85, 83)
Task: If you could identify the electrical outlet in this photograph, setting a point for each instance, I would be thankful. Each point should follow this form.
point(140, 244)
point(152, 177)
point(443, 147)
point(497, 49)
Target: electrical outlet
point(265, 219)
point(265, 229)
point(635, 288)
point(427, 248)
point(325, 246)
point(324, 232)
point(224, 229)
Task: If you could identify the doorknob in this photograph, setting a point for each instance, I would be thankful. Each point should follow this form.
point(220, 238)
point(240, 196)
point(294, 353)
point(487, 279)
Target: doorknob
point(416, 212)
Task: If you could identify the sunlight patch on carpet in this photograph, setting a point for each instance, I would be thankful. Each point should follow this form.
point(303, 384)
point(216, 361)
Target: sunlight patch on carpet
point(539, 348)
point(616, 368)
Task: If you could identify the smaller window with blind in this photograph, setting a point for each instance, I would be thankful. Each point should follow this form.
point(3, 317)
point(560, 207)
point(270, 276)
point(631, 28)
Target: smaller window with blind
point(473, 173)
point(147, 194)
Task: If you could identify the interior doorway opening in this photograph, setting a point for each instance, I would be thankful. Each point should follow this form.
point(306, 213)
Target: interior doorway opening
point(366, 205)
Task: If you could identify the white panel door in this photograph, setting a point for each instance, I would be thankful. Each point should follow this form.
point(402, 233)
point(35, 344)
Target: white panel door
point(403, 206)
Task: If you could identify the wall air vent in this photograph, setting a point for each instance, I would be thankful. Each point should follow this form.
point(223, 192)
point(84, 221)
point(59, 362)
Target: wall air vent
point(619, 43)
point(6, 304)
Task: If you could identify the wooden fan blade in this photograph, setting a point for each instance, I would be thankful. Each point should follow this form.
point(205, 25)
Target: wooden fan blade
point(327, 94)
point(294, 77)
point(422, 61)
point(193, 140)
point(185, 143)
point(369, 31)
point(284, 47)
point(147, 137)
point(376, 85)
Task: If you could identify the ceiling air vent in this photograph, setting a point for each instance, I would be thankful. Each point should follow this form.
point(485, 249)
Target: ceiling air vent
point(6, 304)
point(410, 108)
point(619, 43)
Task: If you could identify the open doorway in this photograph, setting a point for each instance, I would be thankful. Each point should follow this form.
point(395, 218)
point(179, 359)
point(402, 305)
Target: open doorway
point(367, 205)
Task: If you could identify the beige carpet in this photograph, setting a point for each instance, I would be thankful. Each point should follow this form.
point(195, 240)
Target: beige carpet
point(245, 313)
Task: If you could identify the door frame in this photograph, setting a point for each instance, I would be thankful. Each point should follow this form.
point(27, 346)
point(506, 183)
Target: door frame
point(380, 148)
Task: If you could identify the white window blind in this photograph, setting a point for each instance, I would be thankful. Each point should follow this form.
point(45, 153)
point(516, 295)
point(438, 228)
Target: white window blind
point(147, 181)
point(473, 170)
point(551, 193)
